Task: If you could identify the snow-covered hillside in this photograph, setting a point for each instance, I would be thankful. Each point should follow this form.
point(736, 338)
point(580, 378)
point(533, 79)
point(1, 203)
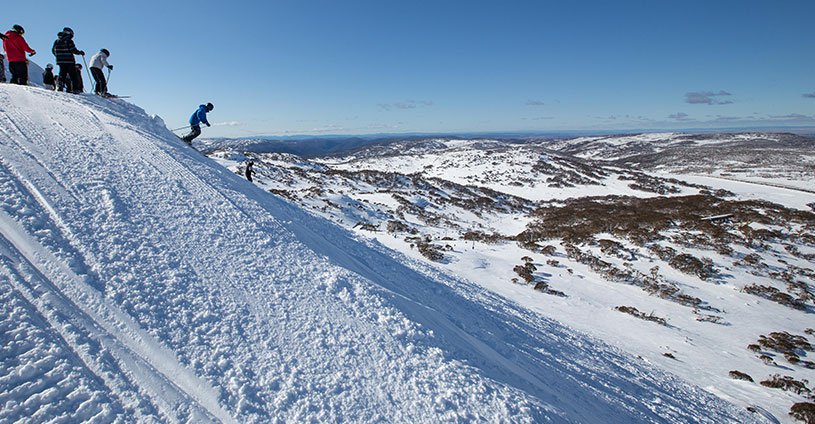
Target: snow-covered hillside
point(724, 266)
point(141, 281)
point(782, 160)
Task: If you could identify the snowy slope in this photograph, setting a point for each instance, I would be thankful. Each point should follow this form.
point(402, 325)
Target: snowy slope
point(458, 205)
point(142, 281)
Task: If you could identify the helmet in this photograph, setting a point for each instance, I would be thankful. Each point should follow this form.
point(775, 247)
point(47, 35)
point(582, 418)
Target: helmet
point(68, 31)
point(18, 29)
point(49, 66)
point(106, 52)
point(210, 106)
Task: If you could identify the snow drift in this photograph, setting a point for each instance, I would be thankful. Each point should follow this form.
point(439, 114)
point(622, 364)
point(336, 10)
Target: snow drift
point(141, 281)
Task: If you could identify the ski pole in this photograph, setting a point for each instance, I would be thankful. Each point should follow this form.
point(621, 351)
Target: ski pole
point(88, 70)
point(181, 128)
point(107, 83)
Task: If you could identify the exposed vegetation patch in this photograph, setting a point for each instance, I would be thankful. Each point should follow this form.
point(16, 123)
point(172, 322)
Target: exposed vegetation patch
point(772, 293)
point(395, 226)
point(664, 225)
point(647, 183)
point(568, 173)
point(738, 375)
point(644, 220)
point(691, 265)
point(715, 319)
point(791, 346)
point(787, 383)
point(804, 411)
point(543, 287)
point(429, 250)
point(641, 315)
point(651, 283)
point(526, 270)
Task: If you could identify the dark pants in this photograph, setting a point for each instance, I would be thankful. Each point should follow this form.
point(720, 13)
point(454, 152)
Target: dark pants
point(2, 70)
point(196, 131)
point(101, 85)
point(67, 75)
point(19, 72)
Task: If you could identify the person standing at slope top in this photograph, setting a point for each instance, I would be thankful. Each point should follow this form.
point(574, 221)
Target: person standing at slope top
point(16, 48)
point(2, 66)
point(79, 86)
point(99, 61)
point(64, 50)
point(198, 117)
point(48, 79)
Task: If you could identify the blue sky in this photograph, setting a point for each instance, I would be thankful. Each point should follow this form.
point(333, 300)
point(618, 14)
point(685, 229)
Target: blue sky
point(357, 67)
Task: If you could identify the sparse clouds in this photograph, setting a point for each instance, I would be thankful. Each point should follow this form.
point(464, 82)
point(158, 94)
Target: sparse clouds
point(535, 103)
point(729, 118)
point(707, 98)
point(809, 95)
point(790, 116)
point(680, 116)
point(408, 104)
point(227, 124)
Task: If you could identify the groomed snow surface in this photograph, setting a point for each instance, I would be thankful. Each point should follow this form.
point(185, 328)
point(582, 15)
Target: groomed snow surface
point(140, 281)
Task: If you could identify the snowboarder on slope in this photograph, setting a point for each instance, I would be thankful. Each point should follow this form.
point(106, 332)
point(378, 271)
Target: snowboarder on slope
point(16, 48)
point(196, 119)
point(99, 61)
point(64, 50)
point(250, 170)
point(48, 79)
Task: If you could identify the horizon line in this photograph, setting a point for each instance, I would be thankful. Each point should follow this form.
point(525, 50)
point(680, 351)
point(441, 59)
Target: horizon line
point(798, 130)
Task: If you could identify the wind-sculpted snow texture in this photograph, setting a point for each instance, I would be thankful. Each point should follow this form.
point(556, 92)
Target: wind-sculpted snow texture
point(142, 282)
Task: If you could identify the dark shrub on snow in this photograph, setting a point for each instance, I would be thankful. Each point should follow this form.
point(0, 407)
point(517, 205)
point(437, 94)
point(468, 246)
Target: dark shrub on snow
point(804, 412)
point(738, 375)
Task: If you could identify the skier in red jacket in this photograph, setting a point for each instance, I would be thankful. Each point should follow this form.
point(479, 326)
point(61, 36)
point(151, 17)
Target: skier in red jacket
point(16, 48)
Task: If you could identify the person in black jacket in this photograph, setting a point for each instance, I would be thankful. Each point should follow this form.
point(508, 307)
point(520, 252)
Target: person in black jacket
point(48, 79)
point(250, 170)
point(79, 84)
point(64, 50)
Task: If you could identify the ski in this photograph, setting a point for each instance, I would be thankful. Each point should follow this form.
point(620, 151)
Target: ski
point(189, 144)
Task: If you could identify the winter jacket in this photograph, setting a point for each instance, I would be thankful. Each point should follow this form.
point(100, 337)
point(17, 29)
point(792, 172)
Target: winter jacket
point(16, 47)
point(199, 116)
point(99, 61)
point(64, 49)
point(48, 77)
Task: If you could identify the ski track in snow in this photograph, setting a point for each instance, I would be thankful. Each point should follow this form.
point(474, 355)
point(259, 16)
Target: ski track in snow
point(142, 282)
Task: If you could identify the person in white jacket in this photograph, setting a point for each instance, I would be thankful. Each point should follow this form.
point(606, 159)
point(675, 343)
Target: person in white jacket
point(99, 61)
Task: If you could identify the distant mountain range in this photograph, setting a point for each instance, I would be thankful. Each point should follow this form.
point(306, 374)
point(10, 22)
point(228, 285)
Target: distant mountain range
point(316, 145)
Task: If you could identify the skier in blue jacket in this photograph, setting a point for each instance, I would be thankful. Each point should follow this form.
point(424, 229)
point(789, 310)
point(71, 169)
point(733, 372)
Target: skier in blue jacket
point(198, 117)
